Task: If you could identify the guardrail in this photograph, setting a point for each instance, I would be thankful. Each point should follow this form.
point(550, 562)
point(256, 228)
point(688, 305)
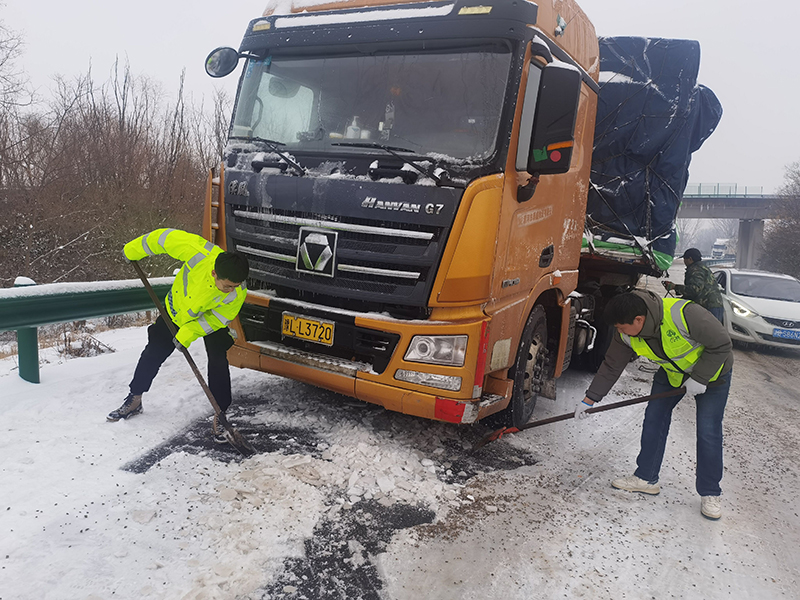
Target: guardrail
point(30, 306)
point(722, 190)
point(715, 262)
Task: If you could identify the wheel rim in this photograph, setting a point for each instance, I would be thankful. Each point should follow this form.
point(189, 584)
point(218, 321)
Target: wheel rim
point(534, 368)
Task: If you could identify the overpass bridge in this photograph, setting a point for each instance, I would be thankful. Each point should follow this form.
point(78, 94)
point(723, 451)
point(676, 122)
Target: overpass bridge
point(728, 201)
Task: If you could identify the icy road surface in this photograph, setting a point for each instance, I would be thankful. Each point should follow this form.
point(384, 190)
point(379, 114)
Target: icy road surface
point(346, 500)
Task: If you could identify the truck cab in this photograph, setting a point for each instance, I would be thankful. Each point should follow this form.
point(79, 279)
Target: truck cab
point(408, 181)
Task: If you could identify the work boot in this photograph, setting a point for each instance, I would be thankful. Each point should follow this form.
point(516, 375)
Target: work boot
point(632, 483)
point(710, 507)
point(132, 406)
point(218, 432)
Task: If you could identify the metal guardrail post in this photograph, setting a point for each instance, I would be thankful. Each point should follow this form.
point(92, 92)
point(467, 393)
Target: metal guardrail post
point(27, 345)
point(28, 353)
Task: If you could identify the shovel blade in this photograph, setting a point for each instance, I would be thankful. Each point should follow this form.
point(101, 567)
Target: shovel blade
point(236, 439)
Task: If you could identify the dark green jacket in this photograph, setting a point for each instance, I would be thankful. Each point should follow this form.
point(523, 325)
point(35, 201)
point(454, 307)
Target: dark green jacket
point(699, 285)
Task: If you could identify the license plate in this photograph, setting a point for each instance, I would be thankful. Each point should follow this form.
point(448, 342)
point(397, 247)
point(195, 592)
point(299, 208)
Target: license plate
point(303, 328)
point(786, 334)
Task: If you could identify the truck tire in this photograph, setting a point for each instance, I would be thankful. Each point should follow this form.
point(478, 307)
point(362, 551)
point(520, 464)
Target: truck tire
point(573, 315)
point(530, 368)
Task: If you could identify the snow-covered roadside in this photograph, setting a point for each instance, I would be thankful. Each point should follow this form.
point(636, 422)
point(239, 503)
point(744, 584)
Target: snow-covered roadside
point(565, 533)
point(75, 524)
point(346, 500)
point(195, 525)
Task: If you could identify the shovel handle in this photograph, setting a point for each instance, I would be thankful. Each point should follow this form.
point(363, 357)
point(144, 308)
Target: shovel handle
point(496, 435)
point(238, 440)
point(174, 332)
point(600, 408)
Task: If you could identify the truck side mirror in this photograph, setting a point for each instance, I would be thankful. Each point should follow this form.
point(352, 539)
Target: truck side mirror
point(221, 62)
point(554, 122)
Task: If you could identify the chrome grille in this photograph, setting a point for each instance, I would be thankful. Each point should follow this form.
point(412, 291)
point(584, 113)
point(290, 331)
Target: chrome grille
point(783, 323)
point(377, 262)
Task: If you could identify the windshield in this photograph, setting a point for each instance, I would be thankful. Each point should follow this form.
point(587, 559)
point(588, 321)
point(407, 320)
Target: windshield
point(445, 102)
point(760, 286)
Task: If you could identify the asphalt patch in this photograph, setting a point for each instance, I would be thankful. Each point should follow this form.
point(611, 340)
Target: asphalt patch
point(464, 465)
point(339, 561)
point(455, 442)
point(197, 439)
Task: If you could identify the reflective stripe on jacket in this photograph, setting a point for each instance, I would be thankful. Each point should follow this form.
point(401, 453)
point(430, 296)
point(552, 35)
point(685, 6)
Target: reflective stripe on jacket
point(195, 303)
point(682, 350)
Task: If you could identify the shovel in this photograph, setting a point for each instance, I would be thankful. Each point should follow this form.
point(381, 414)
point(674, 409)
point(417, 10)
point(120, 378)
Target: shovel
point(496, 435)
point(236, 439)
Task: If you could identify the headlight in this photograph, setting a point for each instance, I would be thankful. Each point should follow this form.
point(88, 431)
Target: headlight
point(442, 382)
point(437, 350)
point(741, 310)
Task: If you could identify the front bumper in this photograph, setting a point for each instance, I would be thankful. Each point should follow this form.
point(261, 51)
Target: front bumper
point(366, 369)
point(756, 330)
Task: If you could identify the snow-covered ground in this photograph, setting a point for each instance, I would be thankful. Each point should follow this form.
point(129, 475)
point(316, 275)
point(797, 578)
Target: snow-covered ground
point(346, 500)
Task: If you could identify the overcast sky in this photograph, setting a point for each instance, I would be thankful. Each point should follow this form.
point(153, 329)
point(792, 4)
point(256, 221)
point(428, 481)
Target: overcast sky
point(749, 58)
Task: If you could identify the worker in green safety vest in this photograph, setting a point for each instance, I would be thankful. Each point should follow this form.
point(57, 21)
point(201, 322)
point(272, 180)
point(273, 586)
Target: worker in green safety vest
point(693, 350)
point(207, 294)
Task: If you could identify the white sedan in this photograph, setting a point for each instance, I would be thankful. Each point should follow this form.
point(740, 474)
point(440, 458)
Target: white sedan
point(760, 307)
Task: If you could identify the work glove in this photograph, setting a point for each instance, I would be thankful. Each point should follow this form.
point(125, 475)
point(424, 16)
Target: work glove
point(693, 387)
point(668, 285)
point(580, 410)
point(178, 345)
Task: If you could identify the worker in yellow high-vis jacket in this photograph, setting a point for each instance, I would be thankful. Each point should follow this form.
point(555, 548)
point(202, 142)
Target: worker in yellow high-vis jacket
point(207, 294)
point(695, 358)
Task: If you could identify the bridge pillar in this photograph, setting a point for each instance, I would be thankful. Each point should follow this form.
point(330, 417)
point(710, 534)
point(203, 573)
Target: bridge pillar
point(751, 239)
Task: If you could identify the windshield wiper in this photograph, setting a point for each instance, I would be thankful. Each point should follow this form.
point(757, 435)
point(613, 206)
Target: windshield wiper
point(441, 178)
point(274, 146)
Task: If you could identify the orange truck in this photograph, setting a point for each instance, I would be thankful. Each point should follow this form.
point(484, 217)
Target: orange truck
point(409, 181)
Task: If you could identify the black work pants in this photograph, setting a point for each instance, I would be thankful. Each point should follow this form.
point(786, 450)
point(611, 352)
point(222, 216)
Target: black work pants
point(160, 346)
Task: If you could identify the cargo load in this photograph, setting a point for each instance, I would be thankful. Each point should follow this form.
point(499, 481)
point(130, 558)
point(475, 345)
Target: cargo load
point(651, 116)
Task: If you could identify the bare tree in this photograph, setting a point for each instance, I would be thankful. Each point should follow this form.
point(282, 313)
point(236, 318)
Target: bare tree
point(94, 167)
point(705, 237)
point(211, 129)
point(726, 228)
point(13, 81)
point(782, 235)
point(687, 233)
point(14, 94)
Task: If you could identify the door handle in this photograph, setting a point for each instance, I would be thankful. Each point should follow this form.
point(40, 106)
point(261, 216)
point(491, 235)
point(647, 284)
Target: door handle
point(547, 256)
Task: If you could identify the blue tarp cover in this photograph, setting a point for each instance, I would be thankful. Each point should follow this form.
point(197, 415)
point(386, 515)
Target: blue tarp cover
point(651, 116)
